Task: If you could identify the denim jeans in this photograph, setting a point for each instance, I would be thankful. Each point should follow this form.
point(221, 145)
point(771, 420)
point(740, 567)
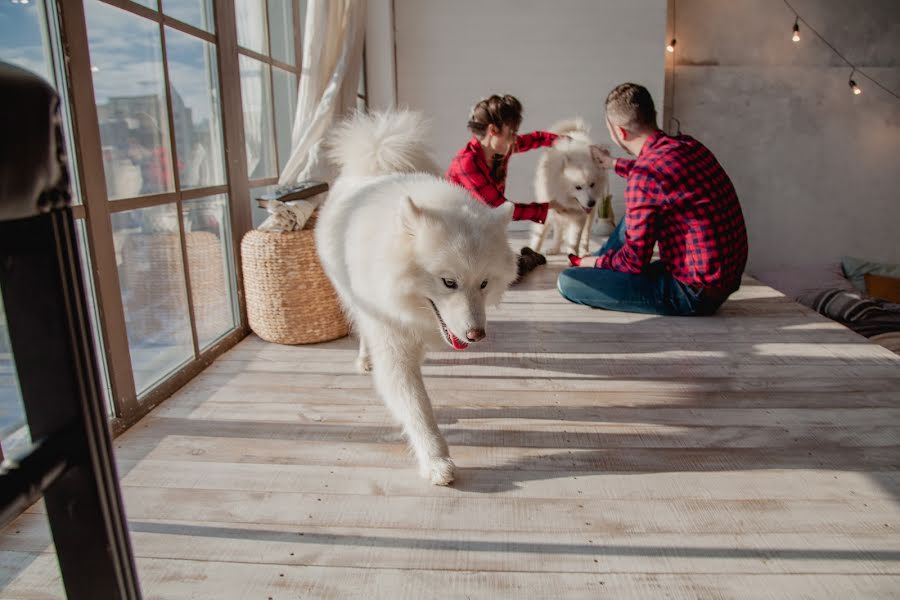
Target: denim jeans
point(653, 291)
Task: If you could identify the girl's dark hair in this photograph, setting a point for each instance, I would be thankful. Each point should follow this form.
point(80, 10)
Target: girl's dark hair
point(497, 111)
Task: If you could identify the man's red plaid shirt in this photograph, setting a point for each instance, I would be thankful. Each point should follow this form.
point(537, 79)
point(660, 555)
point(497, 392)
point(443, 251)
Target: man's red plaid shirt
point(470, 170)
point(678, 195)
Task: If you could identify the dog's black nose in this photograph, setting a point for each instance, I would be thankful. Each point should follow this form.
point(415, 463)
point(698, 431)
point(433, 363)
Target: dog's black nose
point(591, 203)
point(475, 335)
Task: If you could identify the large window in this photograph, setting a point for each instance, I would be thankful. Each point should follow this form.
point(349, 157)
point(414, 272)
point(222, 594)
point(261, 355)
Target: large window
point(270, 67)
point(156, 90)
point(181, 107)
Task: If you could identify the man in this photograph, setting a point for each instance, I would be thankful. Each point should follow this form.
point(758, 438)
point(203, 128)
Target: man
point(678, 196)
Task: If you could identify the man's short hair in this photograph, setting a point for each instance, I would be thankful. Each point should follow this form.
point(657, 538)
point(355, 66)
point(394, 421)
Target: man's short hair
point(630, 106)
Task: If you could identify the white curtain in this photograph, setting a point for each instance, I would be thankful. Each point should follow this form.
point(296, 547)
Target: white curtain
point(332, 59)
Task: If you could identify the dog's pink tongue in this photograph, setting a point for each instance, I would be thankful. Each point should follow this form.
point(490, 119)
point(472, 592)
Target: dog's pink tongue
point(458, 343)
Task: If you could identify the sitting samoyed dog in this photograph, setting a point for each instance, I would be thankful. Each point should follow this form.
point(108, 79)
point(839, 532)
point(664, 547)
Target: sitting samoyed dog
point(567, 173)
point(414, 260)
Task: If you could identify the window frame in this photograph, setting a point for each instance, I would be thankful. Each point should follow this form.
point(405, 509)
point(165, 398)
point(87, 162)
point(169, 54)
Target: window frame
point(273, 63)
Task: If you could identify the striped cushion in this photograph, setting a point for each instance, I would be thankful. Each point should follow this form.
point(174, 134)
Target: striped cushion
point(863, 315)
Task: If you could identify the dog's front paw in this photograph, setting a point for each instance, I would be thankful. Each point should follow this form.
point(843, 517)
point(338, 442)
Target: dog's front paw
point(439, 471)
point(363, 364)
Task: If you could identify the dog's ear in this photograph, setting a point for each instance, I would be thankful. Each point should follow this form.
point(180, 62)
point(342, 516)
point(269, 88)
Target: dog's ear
point(410, 209)
point(413, 215)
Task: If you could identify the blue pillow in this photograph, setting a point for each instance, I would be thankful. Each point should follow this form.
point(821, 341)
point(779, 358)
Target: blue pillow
point(855, 270)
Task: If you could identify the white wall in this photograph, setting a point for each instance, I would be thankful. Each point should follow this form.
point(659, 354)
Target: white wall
point(559, 58)
point(381, 78)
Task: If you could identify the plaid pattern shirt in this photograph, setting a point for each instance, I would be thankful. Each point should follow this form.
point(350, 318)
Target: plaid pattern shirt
point(469, 169)
point(678, 195)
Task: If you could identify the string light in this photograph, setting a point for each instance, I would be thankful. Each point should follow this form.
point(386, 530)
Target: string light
point(671, 47)
point(853, 86)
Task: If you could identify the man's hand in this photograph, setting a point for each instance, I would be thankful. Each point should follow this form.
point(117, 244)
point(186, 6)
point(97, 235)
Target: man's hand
point(583, 261)
point(602, 157)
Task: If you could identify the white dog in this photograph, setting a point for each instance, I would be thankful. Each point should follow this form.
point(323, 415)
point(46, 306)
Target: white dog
point(414, 260)
point(566, 173)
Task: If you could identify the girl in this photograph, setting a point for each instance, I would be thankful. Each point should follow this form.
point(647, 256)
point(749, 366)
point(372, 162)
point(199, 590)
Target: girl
point(480, 166)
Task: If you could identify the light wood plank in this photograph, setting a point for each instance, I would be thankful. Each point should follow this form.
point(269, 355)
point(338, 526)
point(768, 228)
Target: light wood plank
point(462, 550)
point(381, 481)
point(167, 579)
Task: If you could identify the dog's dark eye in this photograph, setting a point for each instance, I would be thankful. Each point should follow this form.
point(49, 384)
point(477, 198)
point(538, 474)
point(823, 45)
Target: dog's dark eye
point(592, 185)
point(450, 283)
point(577, 187)
point(484, 284)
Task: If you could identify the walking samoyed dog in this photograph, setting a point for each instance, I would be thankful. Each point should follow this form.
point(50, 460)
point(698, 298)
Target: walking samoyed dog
point(567, 173)
point(414, 260)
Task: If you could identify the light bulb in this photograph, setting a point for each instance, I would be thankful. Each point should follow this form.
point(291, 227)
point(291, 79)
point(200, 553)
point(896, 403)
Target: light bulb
point(796, 36)
point(671, 47)
point(855, 88)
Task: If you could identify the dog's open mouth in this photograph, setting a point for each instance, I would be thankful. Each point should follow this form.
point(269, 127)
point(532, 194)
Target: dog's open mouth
point(454, 341)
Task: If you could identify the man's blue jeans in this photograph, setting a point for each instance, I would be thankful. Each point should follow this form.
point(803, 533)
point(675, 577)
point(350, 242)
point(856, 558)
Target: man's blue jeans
point(653, 291)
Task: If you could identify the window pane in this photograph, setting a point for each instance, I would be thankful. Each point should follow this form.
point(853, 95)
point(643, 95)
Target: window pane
point(256, 95)
point(14, 435)
point(91, 293)
point(198, 13)
point(151, 276)
point(148, 3)
point(259, 214)
point(195, 109)
point(281, 17)
point(285, 108)
point(126, 60)
point(24, 40)
point(32, 42)
point(206, 223)
point(251, 25)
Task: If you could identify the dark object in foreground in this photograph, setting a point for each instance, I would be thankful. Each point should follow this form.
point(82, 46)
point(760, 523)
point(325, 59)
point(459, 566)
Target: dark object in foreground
point(528, 261)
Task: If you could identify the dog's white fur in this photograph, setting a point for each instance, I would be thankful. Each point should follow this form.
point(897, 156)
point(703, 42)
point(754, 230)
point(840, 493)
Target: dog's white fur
point(567, 173)
point(389, 235)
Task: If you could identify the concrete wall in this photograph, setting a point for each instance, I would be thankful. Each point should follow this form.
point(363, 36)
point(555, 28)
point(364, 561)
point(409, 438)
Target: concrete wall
point(817, 168)
point(559, 58)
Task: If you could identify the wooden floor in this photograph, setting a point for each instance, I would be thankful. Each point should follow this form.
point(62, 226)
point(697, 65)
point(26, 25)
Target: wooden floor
point(754, 454)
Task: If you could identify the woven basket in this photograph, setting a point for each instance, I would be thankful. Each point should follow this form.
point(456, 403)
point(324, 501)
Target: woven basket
point(289, 298)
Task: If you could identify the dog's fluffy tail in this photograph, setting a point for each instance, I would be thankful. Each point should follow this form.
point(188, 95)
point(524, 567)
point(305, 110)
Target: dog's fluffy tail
point(382, 143)
point(570, 126)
